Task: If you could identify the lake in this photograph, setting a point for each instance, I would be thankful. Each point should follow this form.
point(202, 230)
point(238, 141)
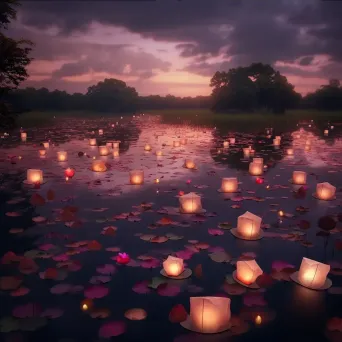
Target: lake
point(61, 279)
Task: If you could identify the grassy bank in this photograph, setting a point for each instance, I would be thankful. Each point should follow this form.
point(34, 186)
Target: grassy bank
point(198, 117)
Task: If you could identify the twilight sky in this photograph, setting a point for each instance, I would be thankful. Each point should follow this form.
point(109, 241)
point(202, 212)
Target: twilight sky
point(174, 47)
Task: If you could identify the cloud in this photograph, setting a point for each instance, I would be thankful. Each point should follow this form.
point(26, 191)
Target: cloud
point(194, 36)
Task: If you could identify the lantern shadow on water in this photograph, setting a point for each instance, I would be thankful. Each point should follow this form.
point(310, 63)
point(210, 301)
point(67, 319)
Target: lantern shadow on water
point(208, 315)
point(190, 204)
point(248, 227)
point(313, 275)
point(325, 191)
point(174, 268)
point(247, 272)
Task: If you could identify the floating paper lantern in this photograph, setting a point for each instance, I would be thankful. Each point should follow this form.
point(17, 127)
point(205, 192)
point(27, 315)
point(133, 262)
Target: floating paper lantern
point(208, 315)
point(23, 136)
point(312, 274)
point(62, 156)
point(247, 272)
point(176, 143)
point(190, 204)
point(232, 141)
point(289, 151)
point(99, 166)
point(42, 153)
point(136, 177)
point(326, 132)
point(116, 144)
point(100, 131)
point(184, 141)
point(332, 127)
point(147, 147)
point(46, 144)
point(226, 144)
point(246, 152)
point(103, 150)
point(34, 176)
point(248, 227)
point(159, 153)
point(92, 142)
point(256, 169)
point(299, 177)
point(325, 191)
point(189, 164)
point(229, 185)
point(109, 144)
point(116, 153)
point(308, 142)
point(278, 137)
point(173, 266)
point(276, 142)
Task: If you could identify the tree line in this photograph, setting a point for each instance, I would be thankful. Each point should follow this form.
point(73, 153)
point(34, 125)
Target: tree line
point(253, 88)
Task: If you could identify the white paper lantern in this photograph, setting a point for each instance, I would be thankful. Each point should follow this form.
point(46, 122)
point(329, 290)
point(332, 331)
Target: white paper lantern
point(34, 176)
point(176, 143)
point(46, 144)
point(256, 169)
point(325, 191)
point(147, 147)
point(208, 315)
point(232, 141)
point(136, 177)
point(23, 136)
point(190, 204)
point(62, 156)
point(92, 142)
point(248, 227)
point(229, 185)
point(116, 144)
point(173, 266)
point(116, 153)
point(247, 271)
point(100, 131)
point(189, 164)
point(225, 144)
point(299, 177)
point(289, 151)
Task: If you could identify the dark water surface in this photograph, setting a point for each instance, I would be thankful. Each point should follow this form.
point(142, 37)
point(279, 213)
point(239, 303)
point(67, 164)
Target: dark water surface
point(50, 243)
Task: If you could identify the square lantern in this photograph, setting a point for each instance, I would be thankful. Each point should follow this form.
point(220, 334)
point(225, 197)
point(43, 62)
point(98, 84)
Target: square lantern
point(232, 141)
point(289, 151)
point(308, 142)
point(325, 191)
point(278, 137)
point(92, 142)
point(147, 147)
point(247, 272)
point(256, 169)
point(176, 143)
point(23, 136)
point(326, 132)
point(100, 131)
point(99, 166)
point(103, 150)
point(208, 315)
point(159, 153)
point(246, 152)
point(34, 176)
point(299, 177)
point(62, 156)
point(229, 185)
point(190, 204)
point(136, 177)
point(276, 142)
point(42, 153)
point(184, 141)
point(248, 227)
point(173, 266)
point(225, 144)
point(189, 164)
point(46, 144)
point(312, 274)
point(116, 144)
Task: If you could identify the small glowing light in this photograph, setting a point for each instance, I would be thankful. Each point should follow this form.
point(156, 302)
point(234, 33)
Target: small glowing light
point(19, 157)
point(94, 157)
point(157, 180)
point(280, 213)
point(267, 187)
point(66, 178)
point(258, 320)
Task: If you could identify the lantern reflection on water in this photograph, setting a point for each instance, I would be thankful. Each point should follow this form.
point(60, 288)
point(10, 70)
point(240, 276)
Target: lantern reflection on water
point(208, 315)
